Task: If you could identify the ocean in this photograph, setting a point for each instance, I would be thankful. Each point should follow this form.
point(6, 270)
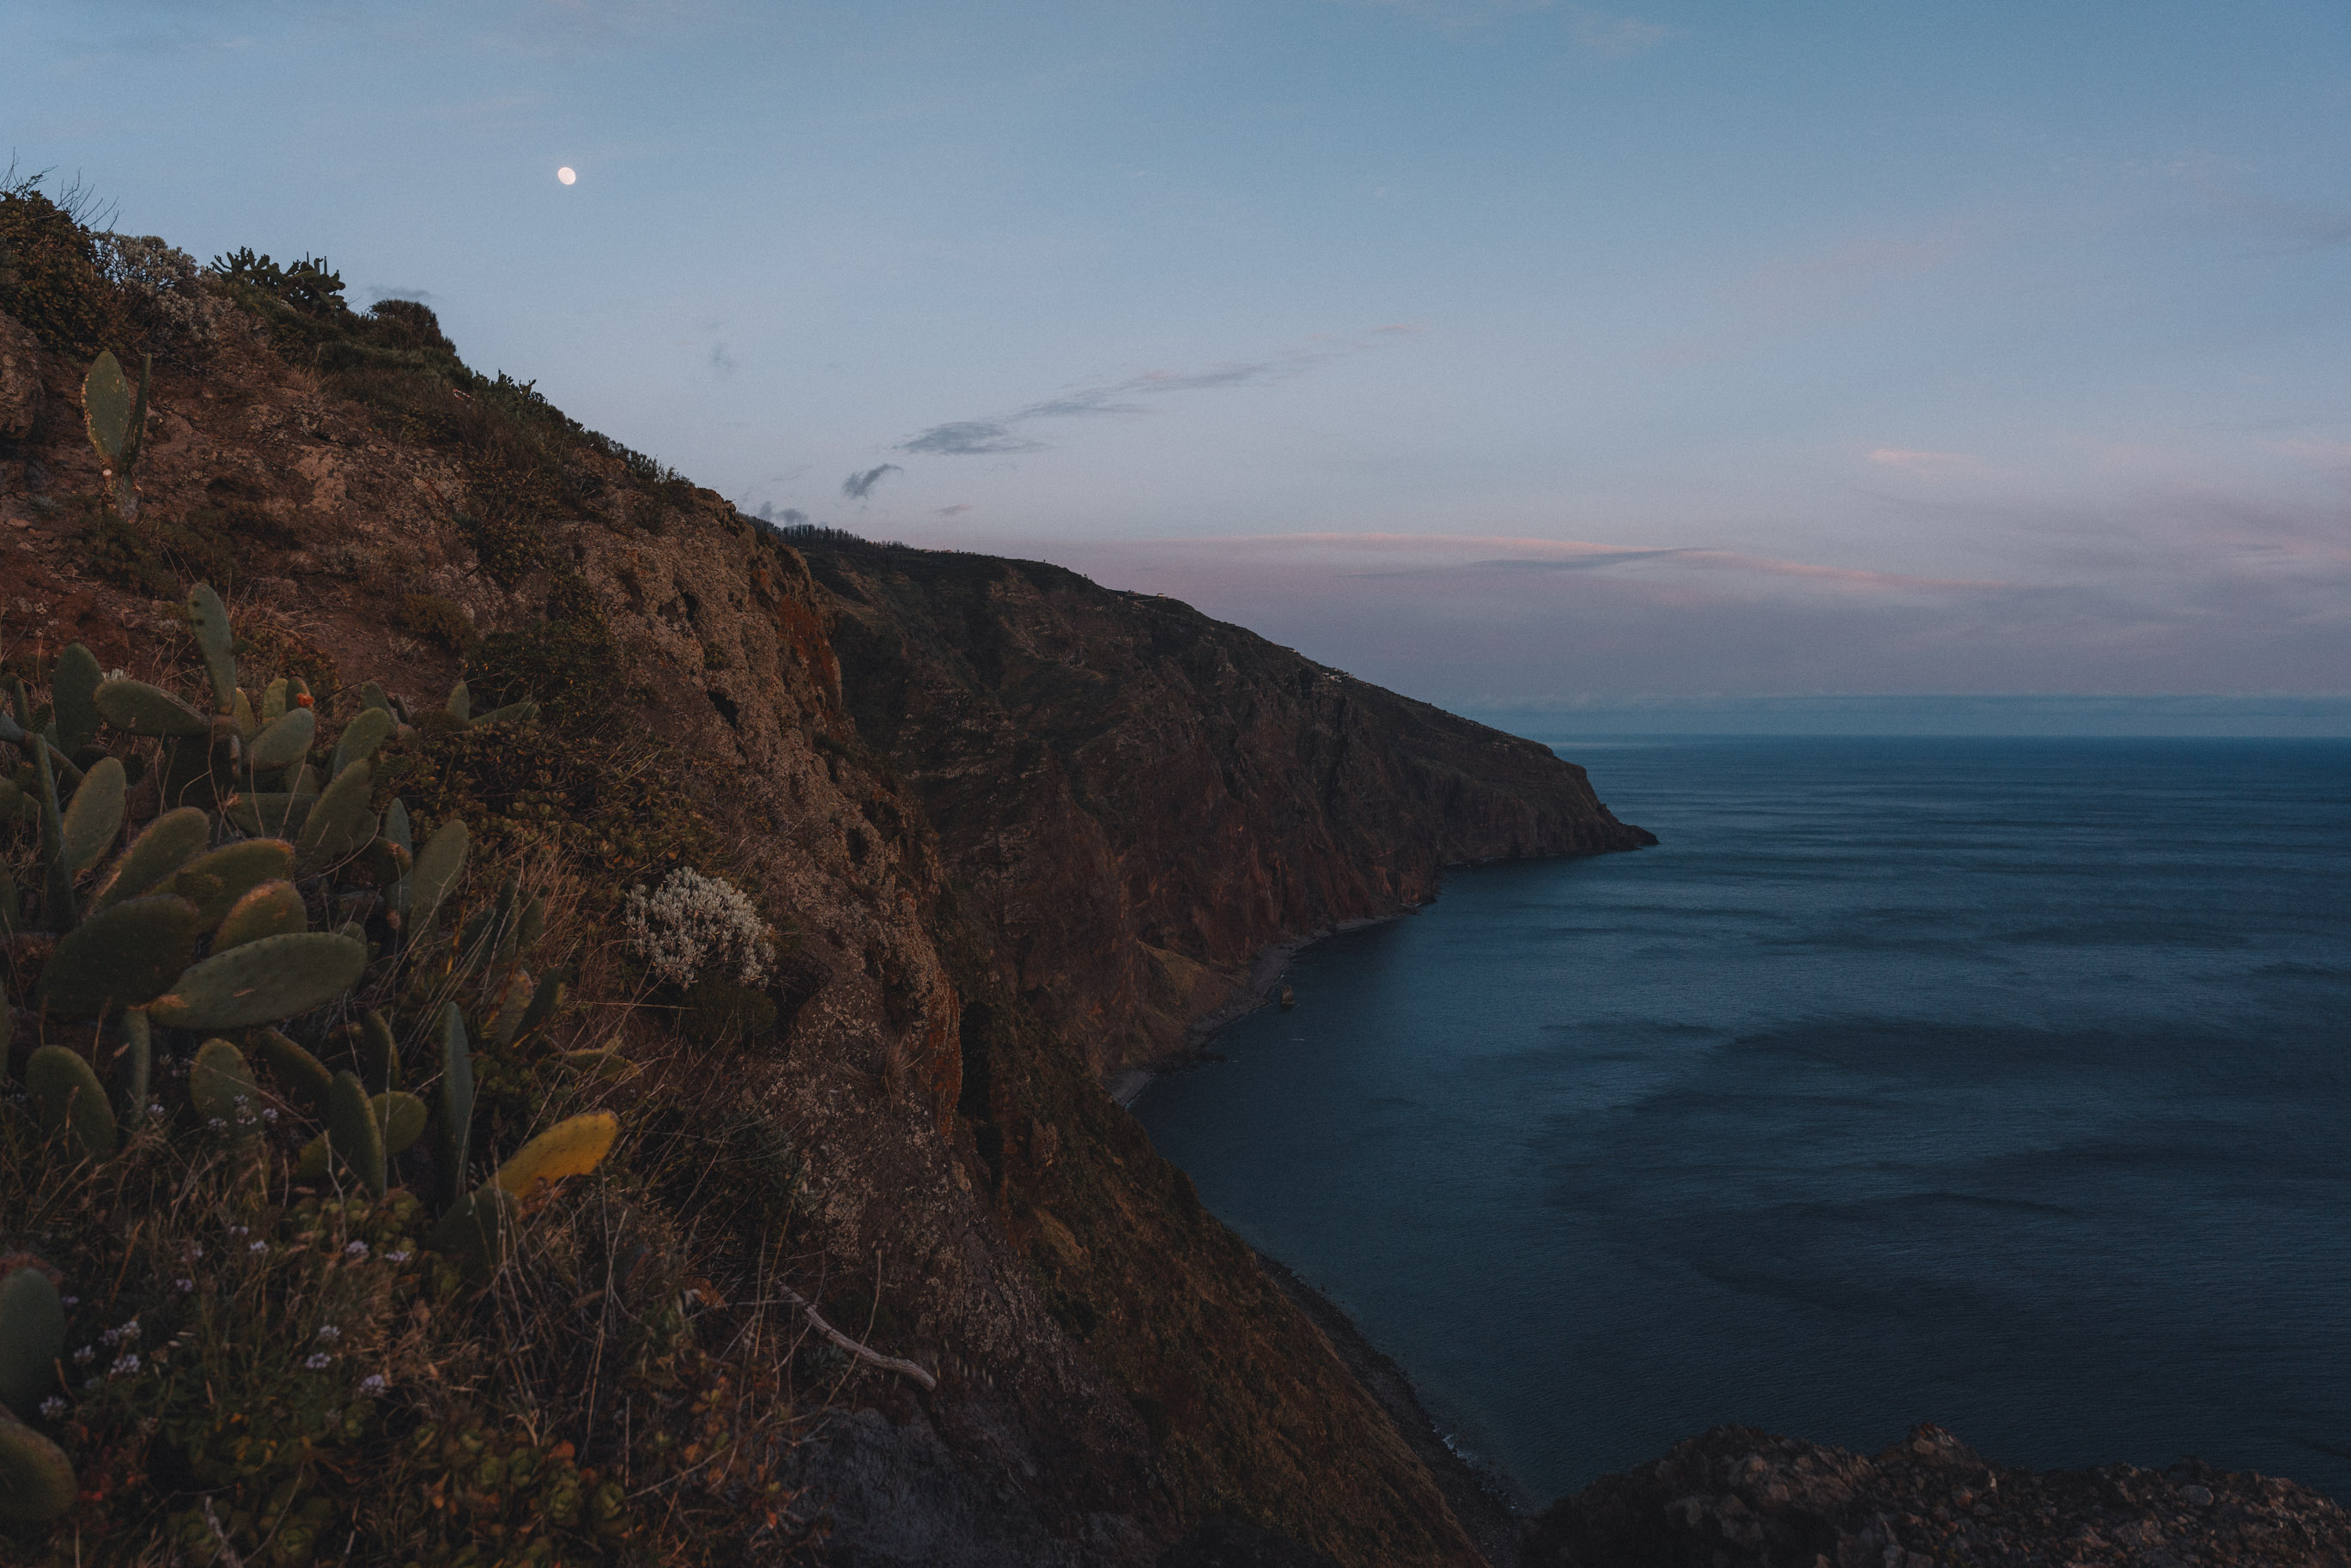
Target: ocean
point(1999, 1083)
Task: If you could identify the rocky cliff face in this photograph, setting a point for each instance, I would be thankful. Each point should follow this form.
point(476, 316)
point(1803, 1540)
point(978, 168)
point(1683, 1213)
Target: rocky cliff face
point(1132, 799)
point(1021, 831)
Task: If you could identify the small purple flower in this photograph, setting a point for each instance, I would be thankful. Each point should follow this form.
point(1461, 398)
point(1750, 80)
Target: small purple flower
point(269, 1113)
point(258, 1247)
point(84, 1354)
point(183, 1285)
point(356, 1249)
point(402, 1256)
point(373, 1382)
point(52, 1407)
point(319, 1362)
point(128, 1363)
point(329, 1332)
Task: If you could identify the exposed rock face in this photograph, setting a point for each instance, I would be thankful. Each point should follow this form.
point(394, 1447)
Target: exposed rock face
point(1133, 798)
point(20, 380)
point(1738, 1497)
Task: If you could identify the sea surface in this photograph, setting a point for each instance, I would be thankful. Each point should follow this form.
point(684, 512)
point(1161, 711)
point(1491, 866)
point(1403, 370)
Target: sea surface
point(2004, 1085)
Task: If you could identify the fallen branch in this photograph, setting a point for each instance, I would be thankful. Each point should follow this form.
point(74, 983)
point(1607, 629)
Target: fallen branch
point(889, 1362)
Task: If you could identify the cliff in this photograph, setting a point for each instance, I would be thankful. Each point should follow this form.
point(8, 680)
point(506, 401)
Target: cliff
point(951, 778)
point(1132, 799)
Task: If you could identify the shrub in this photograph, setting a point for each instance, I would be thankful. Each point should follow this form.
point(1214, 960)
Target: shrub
point(693, 925)
point(441, 622)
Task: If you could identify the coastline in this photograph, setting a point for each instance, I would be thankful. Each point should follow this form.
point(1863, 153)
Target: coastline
point(1253, 992)
point(1486, 1502)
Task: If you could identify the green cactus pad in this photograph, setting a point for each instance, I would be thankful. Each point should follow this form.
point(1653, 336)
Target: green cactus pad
point(263, 981)
point(220, 1083)
point(545, 1001)
point(438, 865)
point(69, 1094)
point(457, 1101)
point(216, 881)
point(371, 696)
point(32, 1333)
point(275, 814)
point(305, 1077)
point(461, 702)
point(73, 689)
point(604, 1062)
point(138, 709)
point(247, 725)
point(271, 909)
point(209, 619)
point(168, 842)
point(478, 1230)
point(379, 1049)
point(36, 1479)
point(122, 956)
point(514, 1003)
point(353, 1133)
point(339, 824)
point(283, 741)
point(94, 819)
point(137, 1058)
point(106, 404)
point(360, 738)
point(401, 1117)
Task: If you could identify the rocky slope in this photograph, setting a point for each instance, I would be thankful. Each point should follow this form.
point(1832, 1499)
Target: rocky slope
point(1114, 1371)
point(1133, 798)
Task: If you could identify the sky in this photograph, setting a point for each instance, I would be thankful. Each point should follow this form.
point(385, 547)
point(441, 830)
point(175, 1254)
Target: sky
point(1529, 357)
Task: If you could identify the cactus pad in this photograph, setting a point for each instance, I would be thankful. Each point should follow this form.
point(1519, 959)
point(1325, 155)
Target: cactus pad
point(32, 1334)
point(220, 1083)
point(105, 409)
point(271, 909)
point(125, 956)
point(570, 1148)
point(168, 842)
point(360, 738)
point(283, 741)
point(339, 823)
point(36, 1479)
point(73, 688)
point(208, 618)
point(401, 1117)
point(438, 865)
point(138, 709)
point(214, 883)
point(304, 1075)
point(94, 821)
point(69, 1094)
point(353, 1133)
point(263, 981)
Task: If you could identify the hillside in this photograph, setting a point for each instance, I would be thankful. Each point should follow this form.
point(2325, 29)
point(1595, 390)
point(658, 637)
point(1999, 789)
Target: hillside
point(1113, 1369)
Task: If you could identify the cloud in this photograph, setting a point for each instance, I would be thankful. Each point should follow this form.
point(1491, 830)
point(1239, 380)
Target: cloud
point(1919, 462)
point(957, 510)
point(722, 363)
point(970, 438)
point(995, 434)
point(857, 486)
point(790, 517)
point(1617, 37)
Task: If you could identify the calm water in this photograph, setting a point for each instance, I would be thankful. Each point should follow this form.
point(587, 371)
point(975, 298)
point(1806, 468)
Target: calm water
point(2005, 1084)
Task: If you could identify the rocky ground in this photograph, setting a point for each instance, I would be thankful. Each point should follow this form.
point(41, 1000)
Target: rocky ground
point(1737, 1498)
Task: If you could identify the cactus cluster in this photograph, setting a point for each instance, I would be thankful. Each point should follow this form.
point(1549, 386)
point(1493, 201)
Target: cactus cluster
point(268, 926)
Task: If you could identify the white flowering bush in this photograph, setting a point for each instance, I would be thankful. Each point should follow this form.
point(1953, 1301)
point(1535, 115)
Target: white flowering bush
point(693, 925)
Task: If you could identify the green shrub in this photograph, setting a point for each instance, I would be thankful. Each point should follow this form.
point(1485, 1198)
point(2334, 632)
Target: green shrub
point(441, 622)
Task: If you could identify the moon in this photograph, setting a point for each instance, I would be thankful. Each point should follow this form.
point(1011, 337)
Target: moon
point(565, 175)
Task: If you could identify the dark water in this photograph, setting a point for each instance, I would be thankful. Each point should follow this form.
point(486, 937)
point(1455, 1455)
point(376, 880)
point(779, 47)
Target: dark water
point(2005, 1084)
